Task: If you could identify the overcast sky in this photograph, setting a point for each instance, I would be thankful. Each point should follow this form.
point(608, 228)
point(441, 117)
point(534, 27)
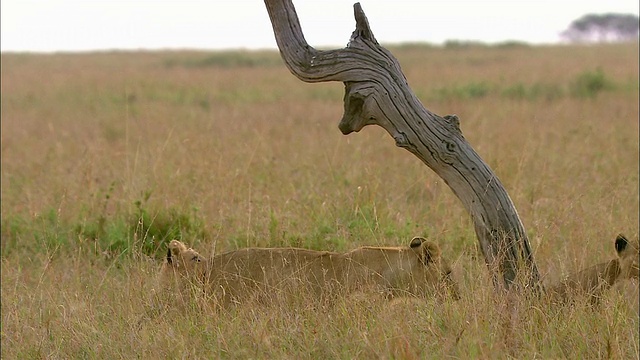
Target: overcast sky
point(81, 25)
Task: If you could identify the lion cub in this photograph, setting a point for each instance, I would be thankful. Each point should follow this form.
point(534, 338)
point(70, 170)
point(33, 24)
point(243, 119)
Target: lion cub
point(593, 281)
point(244, 275)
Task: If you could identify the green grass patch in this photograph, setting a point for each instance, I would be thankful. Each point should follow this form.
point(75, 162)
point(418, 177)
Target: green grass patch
point(152, 230)
point(587, 84)
point(471, 90)
point(144, 231)
point(533, 92)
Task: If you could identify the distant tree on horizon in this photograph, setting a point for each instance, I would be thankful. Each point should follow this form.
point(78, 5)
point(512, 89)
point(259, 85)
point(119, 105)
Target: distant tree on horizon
point(608, 27)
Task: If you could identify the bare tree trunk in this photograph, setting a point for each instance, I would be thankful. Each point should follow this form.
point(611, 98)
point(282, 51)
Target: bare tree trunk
point(377, 93)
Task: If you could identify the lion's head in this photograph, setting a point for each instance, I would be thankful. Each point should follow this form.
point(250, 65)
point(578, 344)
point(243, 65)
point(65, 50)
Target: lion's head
point(183, 260)
point(594, 280)
point(436, 269)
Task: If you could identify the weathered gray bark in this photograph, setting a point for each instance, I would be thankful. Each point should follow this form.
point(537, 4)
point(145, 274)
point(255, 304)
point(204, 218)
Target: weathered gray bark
point(377, 93)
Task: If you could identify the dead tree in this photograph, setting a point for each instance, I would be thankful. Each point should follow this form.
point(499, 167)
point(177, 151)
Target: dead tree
point(377, 93)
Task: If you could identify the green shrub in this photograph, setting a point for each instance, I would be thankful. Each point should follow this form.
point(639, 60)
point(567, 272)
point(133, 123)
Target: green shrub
point(590, 83)
point(152, 230)
point(14, 228)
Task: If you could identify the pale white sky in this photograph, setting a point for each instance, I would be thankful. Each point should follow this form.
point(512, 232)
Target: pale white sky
point(81, 25)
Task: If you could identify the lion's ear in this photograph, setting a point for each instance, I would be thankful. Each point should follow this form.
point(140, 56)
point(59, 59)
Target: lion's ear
point(416, 242)
point(621, 243)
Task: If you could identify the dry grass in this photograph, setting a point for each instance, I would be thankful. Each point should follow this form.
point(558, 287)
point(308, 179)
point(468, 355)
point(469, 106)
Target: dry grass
point(240, 153)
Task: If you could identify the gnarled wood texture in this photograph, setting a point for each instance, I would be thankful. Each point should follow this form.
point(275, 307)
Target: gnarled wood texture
point(377, 93)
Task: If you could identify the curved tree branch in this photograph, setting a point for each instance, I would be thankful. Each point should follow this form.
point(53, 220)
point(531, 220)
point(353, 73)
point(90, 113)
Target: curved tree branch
point(377, 93)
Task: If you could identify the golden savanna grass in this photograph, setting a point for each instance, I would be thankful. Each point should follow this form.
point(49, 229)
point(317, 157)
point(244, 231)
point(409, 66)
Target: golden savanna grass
point(105, 155)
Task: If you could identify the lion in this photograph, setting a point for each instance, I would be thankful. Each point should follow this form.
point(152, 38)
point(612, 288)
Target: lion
point(595, 280)
point(251, 274)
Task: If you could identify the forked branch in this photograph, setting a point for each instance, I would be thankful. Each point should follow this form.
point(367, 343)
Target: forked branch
point(377, 93)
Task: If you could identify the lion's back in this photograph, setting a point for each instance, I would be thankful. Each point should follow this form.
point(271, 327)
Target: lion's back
point(241, 272)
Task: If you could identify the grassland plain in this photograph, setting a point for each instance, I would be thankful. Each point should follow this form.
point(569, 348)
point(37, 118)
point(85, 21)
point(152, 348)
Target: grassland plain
point(106, 156)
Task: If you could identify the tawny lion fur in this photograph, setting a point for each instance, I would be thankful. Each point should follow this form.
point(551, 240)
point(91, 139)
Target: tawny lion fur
point(244, 275)
point(594, 280)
